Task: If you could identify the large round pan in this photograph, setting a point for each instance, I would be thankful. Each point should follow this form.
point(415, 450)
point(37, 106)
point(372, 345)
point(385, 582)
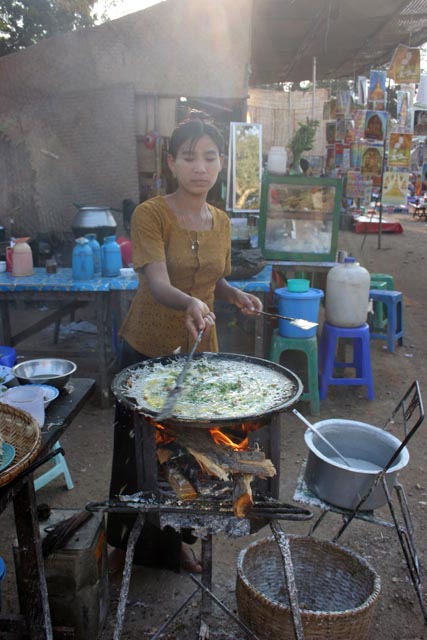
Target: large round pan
point(122, 392)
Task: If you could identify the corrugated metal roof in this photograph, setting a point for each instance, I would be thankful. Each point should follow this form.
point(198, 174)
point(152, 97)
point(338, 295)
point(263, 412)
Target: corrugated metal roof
point(347, 37)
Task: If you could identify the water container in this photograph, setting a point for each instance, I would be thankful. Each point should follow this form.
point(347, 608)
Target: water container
point(82, 261)
point(111, 257)
point(126, 251)
point(22, 258)
point(347, 294)
point(28, 398)
point(277, 159)
point(96, 250)
point(304, 304)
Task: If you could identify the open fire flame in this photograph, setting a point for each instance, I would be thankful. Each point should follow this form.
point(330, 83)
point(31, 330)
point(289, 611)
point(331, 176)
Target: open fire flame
point(164, 437)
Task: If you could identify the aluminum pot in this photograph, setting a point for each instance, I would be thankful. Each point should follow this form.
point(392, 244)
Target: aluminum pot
point(98, 220)
point(367, 448)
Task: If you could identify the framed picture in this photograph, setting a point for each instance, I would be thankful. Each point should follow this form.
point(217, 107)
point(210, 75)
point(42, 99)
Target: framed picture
point(299, 218)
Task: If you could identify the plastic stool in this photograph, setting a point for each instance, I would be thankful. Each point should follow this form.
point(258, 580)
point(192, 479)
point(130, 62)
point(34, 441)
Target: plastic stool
point(393, 300)
point(59, 466)
point(381, 281)
point(361, 358)
point(279, 344)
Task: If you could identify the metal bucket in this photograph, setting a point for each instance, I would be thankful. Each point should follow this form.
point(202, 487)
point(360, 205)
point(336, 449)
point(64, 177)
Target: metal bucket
point(366, 447)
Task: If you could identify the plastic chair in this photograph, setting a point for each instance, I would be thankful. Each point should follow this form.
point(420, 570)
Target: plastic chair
point(279, 344)
point(381, 281)
point(408, 414)
point(59, 467)
point(329, 346)
point(393, 300)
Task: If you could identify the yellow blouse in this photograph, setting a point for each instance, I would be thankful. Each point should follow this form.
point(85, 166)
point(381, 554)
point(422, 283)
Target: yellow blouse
point(152, 328)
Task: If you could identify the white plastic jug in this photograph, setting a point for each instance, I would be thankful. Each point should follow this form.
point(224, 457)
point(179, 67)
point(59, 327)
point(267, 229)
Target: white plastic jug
point(277, 159)
point(347, 294)
point(28, 398)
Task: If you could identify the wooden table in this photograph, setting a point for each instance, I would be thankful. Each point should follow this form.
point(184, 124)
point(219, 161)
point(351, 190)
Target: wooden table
point(35, 621)
point(67, 294)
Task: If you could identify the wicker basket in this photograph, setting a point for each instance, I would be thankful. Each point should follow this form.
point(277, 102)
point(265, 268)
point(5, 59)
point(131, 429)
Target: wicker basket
point(337, 590)
point(20, 430)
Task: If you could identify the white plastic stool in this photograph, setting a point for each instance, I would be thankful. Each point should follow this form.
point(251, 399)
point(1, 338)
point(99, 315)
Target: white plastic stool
point(59, 466)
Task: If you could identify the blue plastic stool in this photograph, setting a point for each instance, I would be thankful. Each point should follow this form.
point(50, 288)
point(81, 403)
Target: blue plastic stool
point(279, 344)
point(59, 466)
point(393, 301)
point(361, 358)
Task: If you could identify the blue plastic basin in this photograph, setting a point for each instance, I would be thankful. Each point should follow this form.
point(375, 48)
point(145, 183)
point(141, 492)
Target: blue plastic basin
point(303, 305)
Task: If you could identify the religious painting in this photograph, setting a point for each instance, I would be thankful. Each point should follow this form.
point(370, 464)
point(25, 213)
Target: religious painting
point(424, 174)
point(395, 187)
point(356, 155)
point(330, 132)
point(377, 93)
point(403, 112)
point(376, 125)
point(420, 122)
point(405, 65)
point(355, 185)
point(399, 150)
point(372, 163)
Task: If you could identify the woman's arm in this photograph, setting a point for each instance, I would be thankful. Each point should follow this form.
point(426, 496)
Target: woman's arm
point(246, 302)
point(197, 314)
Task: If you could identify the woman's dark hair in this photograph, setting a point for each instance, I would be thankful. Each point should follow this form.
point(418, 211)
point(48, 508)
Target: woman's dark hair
point(193, 129)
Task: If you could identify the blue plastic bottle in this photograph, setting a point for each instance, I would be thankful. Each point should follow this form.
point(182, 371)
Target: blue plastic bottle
point(111, 257)
point(82, 261)
point(96, 249)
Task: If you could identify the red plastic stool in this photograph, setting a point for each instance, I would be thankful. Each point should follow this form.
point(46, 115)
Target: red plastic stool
point(361, 358)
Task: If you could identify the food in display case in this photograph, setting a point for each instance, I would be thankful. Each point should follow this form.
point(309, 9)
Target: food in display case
point(299, 218)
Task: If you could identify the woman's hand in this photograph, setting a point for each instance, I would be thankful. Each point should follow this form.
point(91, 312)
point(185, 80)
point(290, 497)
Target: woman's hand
point(247, 303)
point(198, 316)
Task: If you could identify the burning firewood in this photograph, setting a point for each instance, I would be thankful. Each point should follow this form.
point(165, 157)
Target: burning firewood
point(242, 495)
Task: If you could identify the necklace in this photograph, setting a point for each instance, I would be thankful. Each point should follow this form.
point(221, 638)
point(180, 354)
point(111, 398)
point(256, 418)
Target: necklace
point(194, 241)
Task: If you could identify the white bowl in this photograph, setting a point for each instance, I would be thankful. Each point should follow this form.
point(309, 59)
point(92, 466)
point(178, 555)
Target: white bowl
point(127, 272)
point(2, 266)
point(49, 393)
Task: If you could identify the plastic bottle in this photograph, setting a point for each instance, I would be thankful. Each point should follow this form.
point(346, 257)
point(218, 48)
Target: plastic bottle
point(111, 257)
point(277, 159)
point(96, 250)
point(347, 294)
point(82, 261)
point(22, 258)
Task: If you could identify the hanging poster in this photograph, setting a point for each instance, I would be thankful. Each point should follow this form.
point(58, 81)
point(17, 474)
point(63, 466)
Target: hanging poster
point(405, 65)
point(326, 111)
point(404, 119)
point(420, 122)
point(344, 103)
point(376, 125)
point(399, 150)
point(372, 163)
point(340, 129)
point(330, 158)
point(355, 186)
point(362, 89)
point(244, 168)
point(356, 155)
point(395, 187)
point(424, 174)
point(359, 124)
point(342, 155)
point(330, 132)
point(377, 95)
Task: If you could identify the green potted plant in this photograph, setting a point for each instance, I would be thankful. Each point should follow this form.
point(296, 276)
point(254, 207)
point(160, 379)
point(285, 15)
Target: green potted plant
point(303, 140)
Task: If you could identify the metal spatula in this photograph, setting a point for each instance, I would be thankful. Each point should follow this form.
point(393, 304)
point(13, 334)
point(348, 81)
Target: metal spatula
point(305, 325)
point(173, 394)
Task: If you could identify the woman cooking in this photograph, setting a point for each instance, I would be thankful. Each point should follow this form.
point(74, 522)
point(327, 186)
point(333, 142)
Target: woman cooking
point(181, 251)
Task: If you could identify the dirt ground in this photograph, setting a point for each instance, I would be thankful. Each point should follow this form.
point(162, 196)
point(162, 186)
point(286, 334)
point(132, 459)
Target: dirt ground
point(155, 595)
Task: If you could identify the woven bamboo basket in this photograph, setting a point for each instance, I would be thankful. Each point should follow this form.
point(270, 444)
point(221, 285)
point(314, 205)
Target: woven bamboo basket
point(19, 429)
point(337, 590)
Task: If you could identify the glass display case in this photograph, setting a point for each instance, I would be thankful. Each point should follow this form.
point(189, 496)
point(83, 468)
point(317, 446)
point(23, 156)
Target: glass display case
point(299, 218)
